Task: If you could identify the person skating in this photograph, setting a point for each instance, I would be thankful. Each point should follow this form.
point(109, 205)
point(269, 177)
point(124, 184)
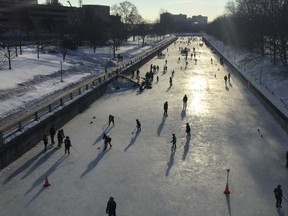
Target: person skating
point(278, 196)
point(185, 99)
point(138, 125)
point(52, 133)
point(62, 133)
point(111, 207)
point(225, 80)
point(170, 81)
point(173, 141)
point(188, 129)
point(166, 108)
point(107, 140)
point(59, 138)
point(111, 120)
point(67, 144)
point(45, 141)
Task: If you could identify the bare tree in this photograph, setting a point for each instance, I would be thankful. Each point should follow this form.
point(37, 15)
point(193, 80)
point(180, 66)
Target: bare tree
point(7, 51)
point(143, 30)
point(129, 14)
point(53, 2)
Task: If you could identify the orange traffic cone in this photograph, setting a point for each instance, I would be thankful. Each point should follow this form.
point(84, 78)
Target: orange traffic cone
point(46, 184)
point(227, 191)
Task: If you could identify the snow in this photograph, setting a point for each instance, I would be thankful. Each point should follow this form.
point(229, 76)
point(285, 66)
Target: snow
point(38, 78)
point(140, 171)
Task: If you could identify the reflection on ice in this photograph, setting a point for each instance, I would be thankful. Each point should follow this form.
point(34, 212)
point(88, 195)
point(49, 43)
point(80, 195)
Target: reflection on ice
point(197, 86)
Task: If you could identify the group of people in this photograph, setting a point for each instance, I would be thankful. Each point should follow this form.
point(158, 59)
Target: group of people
point(188, 128)
point(60, 138)
point(227, 78)
point(107, 139)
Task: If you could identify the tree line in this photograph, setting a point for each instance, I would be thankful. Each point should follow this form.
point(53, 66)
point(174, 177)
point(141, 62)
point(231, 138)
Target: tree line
point(91, 30)
point(259, 26)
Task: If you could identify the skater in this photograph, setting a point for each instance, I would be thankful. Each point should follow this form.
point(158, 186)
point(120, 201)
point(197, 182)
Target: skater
point(60, 138)
point(111, 120)
point(62, 133)
point(52, 133)
point(45, 141)
point(173, 141)
point(170, 80)
point(166, 108)
point(188, 129)
point(111, 207)
point(157, 79)
point(67, 143)
point(137, 73)
point(225, 79)
point(107, 140)
point(138, 125)
point(278, 196)
point(185, 99)
point(229, 77)
point(173, 73)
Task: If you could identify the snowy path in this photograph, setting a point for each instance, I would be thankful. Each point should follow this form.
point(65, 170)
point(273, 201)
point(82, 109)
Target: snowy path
point(140, 171)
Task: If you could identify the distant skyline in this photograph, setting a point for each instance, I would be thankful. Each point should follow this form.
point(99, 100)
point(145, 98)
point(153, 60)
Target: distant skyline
point(150, 9)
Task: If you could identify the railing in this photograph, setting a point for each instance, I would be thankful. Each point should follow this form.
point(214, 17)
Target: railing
point(31, 120)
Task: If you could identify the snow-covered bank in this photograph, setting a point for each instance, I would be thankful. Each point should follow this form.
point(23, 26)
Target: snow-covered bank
point(271, 80)
point(32, 79)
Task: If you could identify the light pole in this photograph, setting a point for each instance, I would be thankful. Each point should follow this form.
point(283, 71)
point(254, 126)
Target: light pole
point(61, 62)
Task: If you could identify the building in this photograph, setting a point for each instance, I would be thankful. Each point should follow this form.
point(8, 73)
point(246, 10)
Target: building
point(201, 20)
point(96, 12)
point(19, 1)
point(54, 16)
point(171, 18)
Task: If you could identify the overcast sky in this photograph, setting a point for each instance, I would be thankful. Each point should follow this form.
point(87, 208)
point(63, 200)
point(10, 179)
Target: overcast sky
point(150, 9)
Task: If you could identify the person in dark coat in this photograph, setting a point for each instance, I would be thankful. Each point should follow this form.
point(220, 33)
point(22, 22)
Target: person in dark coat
point(67, 143)
point(173, 141)
point(166, 108)
point(45, 141)
point(62, 133)
point(225, 80)
point(278, 196)
point(107, 140)
point(111, 207)
point(188, 129)
point(185, 99)
point(59, 138)
point(52, 133)
point(170, 81)
point(111, 120)
point(138, 125)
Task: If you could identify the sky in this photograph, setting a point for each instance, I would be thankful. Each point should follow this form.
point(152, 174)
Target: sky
point(150, 9)
point(140, 171)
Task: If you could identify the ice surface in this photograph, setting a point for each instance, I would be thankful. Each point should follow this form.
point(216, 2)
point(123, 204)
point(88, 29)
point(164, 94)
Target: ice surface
point(140, 171)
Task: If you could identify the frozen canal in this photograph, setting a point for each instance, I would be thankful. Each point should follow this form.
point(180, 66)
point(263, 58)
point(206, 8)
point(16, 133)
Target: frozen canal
point(140, 171)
